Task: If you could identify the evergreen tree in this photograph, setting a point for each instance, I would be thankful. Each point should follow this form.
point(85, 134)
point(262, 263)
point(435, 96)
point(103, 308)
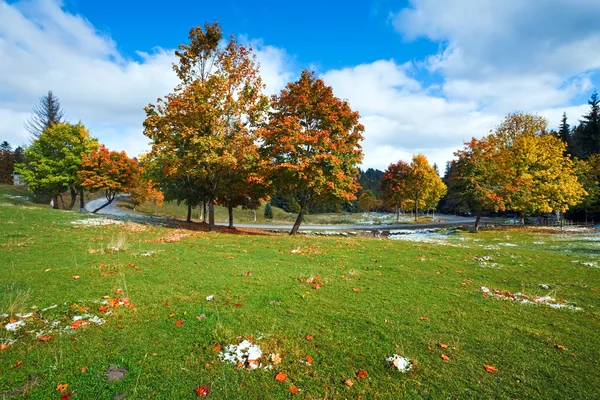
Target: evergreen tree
point(6, 163)
point(268, 211)
point(44, 115)
point(587, 134)
point(564, 132)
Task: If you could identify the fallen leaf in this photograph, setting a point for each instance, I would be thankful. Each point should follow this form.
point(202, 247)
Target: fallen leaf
point(154, 354)
point(573, 355)
point(47, 269)
point(84, 369)
point(490, 368)
point(217, 347)
point(317, 286)
point(132, 265)
point(4, 346)
point(309, 360)
point(118, 291)
point(103, 308)
point(362, 374)
point(423, 318)
point(12, 320)
point(62, 387)
point(75, 277)
point(66, 396)
point(275, 359)
point(237, 305)
point(445, 357)
point(79, 323)
point(560, 347)
point(348, 383)
point(113, 302)
point(443, 346)
point(202, 391)
point(356, 290)
point(106, 297)
point(17, 364)
point(179, 322)
point(172, 315)
point(83, 308)
point(119, 326)
point(308, 337)
point(294, 389)
point(44, 338)
point(280, 377)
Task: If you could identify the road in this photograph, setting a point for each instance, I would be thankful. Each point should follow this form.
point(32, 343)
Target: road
point(448, 220)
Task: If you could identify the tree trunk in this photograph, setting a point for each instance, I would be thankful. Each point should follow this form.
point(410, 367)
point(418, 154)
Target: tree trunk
point(55, 202)
point(189, 213)
point(397, 212)
point(298, 221)
point(62, 201)
point(522, 219)
point(204, 211)
point(230, 210)
point(211, 214)
point(73, 198)
point(102, 206)
point(477, 220)
point(585, 216)
point(200, 211)
point(417, 210)
point(254, 215)
point(81, 201)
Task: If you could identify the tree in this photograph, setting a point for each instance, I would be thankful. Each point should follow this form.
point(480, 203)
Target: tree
point(564, 132)
point(424, 185)
point(54, 159)
point(44, 115)
point(588, 173)
point(312, 139)
point(268, 211)
point(587, 134)
point(110, 171)
point(6, 163)
point(367, 201)
point(200, 127)
point(393, 186)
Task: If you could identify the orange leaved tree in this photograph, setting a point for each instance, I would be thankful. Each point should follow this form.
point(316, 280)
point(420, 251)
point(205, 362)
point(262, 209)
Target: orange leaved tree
point(107, 170)
point(313, 142)
point(393, 186)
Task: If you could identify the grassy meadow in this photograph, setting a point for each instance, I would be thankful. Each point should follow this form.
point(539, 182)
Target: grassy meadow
point(140, 294)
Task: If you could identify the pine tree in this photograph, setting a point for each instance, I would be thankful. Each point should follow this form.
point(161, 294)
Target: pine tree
point(268, 211)
point(6, 163)
point(564, 132)
point(44, 115)
point(587, 134)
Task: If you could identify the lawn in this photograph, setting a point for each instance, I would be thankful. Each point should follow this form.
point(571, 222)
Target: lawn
point(359, 299)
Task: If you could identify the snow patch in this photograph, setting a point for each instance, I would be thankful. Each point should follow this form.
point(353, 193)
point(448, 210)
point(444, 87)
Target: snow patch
point(246, 354)
point(524, 299)
point(400, 363)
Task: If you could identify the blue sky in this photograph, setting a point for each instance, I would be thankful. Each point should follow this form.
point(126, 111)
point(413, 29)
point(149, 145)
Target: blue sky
point(425, 75)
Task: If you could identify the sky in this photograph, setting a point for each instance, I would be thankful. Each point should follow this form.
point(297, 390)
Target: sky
point(425, 75)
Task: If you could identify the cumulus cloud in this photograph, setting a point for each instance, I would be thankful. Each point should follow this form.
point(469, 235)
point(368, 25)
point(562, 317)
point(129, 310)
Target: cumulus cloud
point(43, 48)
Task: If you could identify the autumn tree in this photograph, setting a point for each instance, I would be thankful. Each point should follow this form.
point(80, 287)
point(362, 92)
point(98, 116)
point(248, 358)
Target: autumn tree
point(367, 201)
point(313, 141)
point(6, 163)
point(54, 159)
point(44, 115)
point(588, 173)
point(202, 126)
point(110, 171)
point(393, 186)
point(424, 187)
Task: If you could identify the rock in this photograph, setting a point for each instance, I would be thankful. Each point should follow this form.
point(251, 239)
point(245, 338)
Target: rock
point(114, 374)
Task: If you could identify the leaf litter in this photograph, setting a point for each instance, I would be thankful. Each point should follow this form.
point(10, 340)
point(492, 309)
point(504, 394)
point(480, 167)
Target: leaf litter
point(525, 299)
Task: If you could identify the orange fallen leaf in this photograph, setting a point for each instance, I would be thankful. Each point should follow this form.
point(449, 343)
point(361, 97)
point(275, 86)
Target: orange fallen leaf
point(62, 387)
point(4, 346)
point(44, 338)
point(294, 389)
point(237, 305)
point(132, 265)
point(276, 359)
point(443, 346)
point(348, 383)
point(103, 308)
point(356, 290)
point(66, 396)
point(17, 364)
point(75, 277)
point(12, 320)
point(118, 291)
point(172, 315)
point(573, 355)
point(84, 369)
point(362, 374)
point(179, 322)
point(560, 347)
point(217, 347)
point(445, 357)
point(490, 368)
point(309, 360)
point(280, 377)
point(83, 308)
point(113, 302)
point(423, 318)
point(202, 391)
point(308, 337)
point(79, 323)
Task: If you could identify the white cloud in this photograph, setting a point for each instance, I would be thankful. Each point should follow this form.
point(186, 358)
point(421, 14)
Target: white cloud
point(43, 48)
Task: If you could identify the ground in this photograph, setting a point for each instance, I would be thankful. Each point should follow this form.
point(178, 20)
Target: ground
point(149, 327)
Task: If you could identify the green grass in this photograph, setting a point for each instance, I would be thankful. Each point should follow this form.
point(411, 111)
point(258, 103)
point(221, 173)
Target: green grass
point(399, 282)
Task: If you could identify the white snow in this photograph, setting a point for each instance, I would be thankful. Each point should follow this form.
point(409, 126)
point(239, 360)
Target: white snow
point(245, 354)
point(210, 298)
point(524, 299)
point(400, 363)
point(13, 326)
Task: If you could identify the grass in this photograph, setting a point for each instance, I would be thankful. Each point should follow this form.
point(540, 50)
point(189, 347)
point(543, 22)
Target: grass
point(411, 297)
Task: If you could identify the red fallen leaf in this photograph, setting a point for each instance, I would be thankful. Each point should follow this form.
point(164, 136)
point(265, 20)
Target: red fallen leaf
point(179, 322)
point(294, 389)
point(445, 357)
point(443, 346)
point(217, 347)
point(280, 377)
point(66, 396)
point(17, 364)
point(309, 360)
point(79, 323)
point(560, 347)
point(362, 374)
point(118, 291)
point(356, 290)
point(132, 265)
point(490, 368)
point(62, 387)
point(119, 326)
point(202, 391)
point(44, 338)
point(4, 346)
point(237, 305)
point(348, 383)
point(423, 318)
point(103, 308)
point(316, 286)
point(83, 308)
point(172, 315)
point(84, 369)
point(308, 337)
point(113, 302)
point(124, 301)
